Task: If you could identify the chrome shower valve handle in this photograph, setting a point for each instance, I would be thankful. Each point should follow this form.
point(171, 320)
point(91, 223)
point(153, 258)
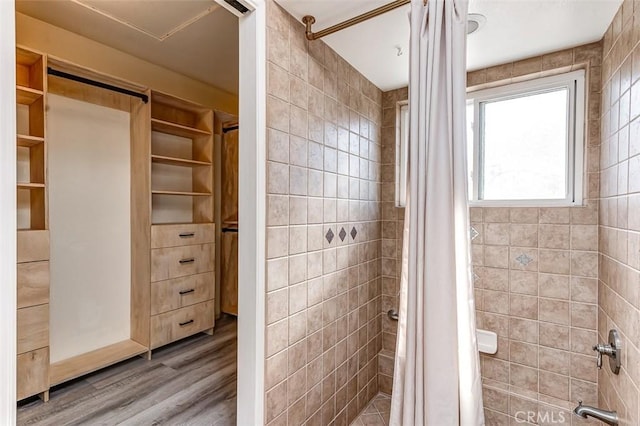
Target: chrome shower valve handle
point(601, 349)
point(611, 350)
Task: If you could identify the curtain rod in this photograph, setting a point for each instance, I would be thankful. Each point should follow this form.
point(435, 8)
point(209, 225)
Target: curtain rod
point(100, 84)
point(310, 20)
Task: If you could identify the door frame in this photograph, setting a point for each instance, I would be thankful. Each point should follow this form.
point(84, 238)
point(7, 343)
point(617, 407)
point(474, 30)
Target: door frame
point(252, 216)
point(7, 213)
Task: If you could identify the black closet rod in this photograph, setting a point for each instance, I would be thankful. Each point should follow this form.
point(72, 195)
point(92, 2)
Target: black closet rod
point(90, 82)
point(230, 129)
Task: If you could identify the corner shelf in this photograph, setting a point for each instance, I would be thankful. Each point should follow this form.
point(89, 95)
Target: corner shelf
point(27, 141)
point(175, 161)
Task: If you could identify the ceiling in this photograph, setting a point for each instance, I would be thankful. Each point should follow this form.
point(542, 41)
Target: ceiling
point(514, 29)
point(196, 38)
point(199, 39)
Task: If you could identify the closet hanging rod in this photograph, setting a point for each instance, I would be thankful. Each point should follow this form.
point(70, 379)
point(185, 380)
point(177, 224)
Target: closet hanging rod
point(100, 84)
point(230, 129)
point(310, 20)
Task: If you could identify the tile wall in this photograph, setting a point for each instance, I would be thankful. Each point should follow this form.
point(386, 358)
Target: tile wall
point(536, 270)
point(323, 231)
point(392, 228)
point(619, 285)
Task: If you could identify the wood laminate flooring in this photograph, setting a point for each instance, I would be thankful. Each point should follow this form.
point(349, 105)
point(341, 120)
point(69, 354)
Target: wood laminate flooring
point(191, 382)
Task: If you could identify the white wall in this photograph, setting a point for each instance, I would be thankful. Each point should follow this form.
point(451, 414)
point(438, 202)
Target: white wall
point(89, 171)
point(7, 214)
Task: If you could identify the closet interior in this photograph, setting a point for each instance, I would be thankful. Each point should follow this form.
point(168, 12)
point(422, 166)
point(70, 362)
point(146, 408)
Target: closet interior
point(119, 206)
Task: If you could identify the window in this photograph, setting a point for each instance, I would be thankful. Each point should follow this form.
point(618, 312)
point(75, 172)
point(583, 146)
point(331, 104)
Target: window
point(525, 142)
point(402, 144)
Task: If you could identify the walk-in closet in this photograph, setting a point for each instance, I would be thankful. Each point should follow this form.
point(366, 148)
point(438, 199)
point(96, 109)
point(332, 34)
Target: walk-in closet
point(127, 212)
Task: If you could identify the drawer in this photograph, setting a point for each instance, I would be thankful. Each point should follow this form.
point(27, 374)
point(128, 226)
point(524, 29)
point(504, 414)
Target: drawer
point(32, 373)
point(33, 246)
point(33, 328)
point(175, 325)
point(33, 284)
point(180, 292)
point(182, 235)
point(174, 262)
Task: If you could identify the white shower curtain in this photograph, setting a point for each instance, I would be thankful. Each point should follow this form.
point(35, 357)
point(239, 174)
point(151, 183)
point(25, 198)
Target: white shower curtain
point(437, 368)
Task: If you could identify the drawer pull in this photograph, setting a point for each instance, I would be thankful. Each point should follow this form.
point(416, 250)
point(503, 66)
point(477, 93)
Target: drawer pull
point(187, 234)
point(189, 260)
point(182, 324)
point(183, 292)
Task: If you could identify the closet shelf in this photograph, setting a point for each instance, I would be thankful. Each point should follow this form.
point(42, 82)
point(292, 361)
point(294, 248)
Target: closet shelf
point(174, 161)
point(177, 129)
point(80, 365)
point(29, 141)
point(29, 185)
point(27, 95)
point(190, 194)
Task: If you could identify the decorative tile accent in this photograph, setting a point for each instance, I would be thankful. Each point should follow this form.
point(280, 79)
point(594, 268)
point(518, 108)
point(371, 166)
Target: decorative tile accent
point(329, 235)
point(342, 234)
point(524, 260)
point(474, 233)
point(476, 277)
point(353, 233)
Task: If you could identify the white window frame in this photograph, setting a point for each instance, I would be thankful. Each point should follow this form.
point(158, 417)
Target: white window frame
point(574, 82)
point(402, 147)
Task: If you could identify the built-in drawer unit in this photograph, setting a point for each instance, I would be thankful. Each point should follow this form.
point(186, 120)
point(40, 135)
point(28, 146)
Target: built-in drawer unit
point(32, 373)
point(182, 235)
point(174, 325)
point(174, 262)
point(33, 246)
point(33, 328)
point(33, 284)
point(180, 292)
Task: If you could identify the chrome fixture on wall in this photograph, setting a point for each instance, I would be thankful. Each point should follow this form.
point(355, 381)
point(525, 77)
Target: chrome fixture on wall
point(392, 314)
point(586, 411)
point(612, 350)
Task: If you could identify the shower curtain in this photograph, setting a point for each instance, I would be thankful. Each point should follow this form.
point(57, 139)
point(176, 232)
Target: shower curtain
point(437, 368)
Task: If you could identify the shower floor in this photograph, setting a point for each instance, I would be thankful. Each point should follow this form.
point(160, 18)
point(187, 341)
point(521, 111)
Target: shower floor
point(376, 413)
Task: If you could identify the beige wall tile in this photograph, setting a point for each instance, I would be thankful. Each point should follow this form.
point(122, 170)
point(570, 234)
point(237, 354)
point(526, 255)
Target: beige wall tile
point(555, 311)
point(524, 235)
point(554, 385)
point(524, 377)
point(554, 261)
point(324, 298)
point(555, 286)
point(555, 236)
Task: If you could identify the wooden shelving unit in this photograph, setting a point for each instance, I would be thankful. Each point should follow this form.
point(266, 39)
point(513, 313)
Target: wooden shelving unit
point(181, 161)
point(33, 237)
point(182, 231)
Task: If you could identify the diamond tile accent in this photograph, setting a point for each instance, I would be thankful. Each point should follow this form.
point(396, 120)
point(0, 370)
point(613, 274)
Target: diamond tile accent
point(353, 233)
point(342, 234)
point(524, 260)
point(474, 233)
point(329, 236)
point(476, 277)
